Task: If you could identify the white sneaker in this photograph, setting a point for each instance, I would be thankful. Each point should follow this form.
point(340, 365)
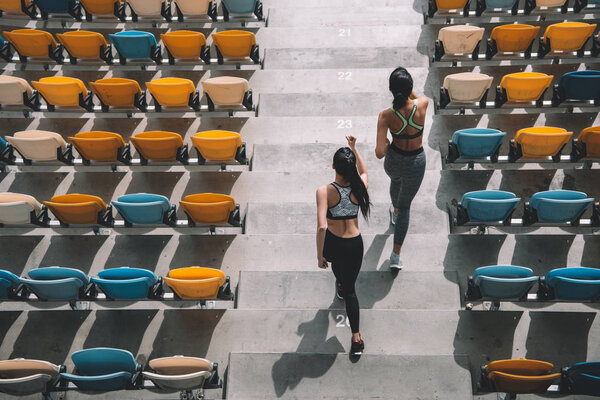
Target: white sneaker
point(393, 215)
point(395, 262)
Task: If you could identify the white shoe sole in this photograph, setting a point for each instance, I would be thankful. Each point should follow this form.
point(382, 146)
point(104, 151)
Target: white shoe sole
point(396, 267)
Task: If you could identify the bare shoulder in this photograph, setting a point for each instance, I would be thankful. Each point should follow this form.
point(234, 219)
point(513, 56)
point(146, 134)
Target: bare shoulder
point(322, 190)
point(424, 100)
point(384, 115)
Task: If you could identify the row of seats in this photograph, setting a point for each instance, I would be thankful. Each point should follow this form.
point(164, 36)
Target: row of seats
point(508, 5)
point(523, 376)
point(233, 45)
point(160, 146)
point(107, 369)
point(535, 143)
point(484, 207)
point(137, 8)
point(559, 39)
point(69, 284)
point(468, 88)
point(62, 91)
point(136, 209)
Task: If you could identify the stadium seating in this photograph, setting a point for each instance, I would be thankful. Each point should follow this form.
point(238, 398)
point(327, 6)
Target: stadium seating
point(173, 92)
point(195, 8)
point(220, 146)
point(33, 43)
point(16, 209)
point(211, 209)
point(487, 206)
point(482, 5)
point(103, 370)
point(18, 6)
point(571, 284)
point(581, 4)
point(145, 209)
point(22, 377)
point(500, 282)
point(512, 38)
point(227, 91)
point(104, 8)
point(179, 372)
point(160, 146)
point(566, 37)
point(582, 378)
point(71, 7)
point(65, 92)
point(538, 143)
point(149, 8)
point(78, 209)
point(475, 143)
point(449, 5)
point(465, 88)
point(530, 5)
point(519, 376)
point(241, 8)
point(186, 45)
point(587, 144)
point(136, 45)
point(119, 92)
point(523, 87)
point(556, 206)
point(237, 45)
point(128, 283)
point(101, 146)
point(9, 283)
point(41, 146)
point(86, 45)
point(15, 91)
point(577, 86)
point(57, 283)
point(196, 283)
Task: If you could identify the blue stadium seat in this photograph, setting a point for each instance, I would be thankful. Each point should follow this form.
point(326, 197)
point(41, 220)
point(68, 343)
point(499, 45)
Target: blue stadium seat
point(136, 45)
point(8, 284)
point(577, 85)
point(475, 143)
point(487, 206)
point(56, 283)
point(482, 5)
point(575, 283)
point(126, 283)
point(241, 8)
point(583, 378)
point(103, 369)
point(556, 206)
point(503, 282)
point(71, 7)
point(145, 209)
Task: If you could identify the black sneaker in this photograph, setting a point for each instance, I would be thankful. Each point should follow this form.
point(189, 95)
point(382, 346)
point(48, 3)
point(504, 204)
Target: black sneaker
point(338, 290)
point(357, 348)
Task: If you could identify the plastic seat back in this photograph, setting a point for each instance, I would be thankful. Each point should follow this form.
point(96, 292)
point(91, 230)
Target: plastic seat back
point(580, 85)
point(521, 376)
point(174, 92)
point(116, 92)
point(126, 283)
point(53, 6)
point(240, 6)
point(451, 4)
point(146, 7)
point(76, 208)
point(466, 87)
point(83, 44)
point(8, 282)
point(489, 205)
point(16, 208)
point(591, 138)
point(226, 90)
point(12, 5)
point(208, 208)
point(56, 283)
point(184, 44)
point(460, 39)
point(575, 283)
point(217, 145)
point(134, 44)
point(157, 145)
point(234, 43)
point(542, 141)
point(179, 373)
point(525, 86)
point(478, 142)
point(142, 208)
point(98, 145)
point(500, 3)
point(504, 282)
point(568, 36)
point(31, 42)
point(550, 3)
point(103, 369)
point(21, 377)
point(193, 7)
point(196, 282)
point(61, 90)
point(583, 378)
point(514, 38)
point(12, 89)
point(38, 145)
point(100, 7)
point(559, 206)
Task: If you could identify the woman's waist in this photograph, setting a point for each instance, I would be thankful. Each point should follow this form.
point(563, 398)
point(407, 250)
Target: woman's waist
point(406, 150)
point(343, 230)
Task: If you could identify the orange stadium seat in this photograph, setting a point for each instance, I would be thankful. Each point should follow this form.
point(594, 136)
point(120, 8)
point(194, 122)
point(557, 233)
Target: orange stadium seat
point(221, 146)
point(100, 146)
point(160, 146)
point(211, 209)
point(186, 45)
point(86, 45)
point(33, 43)
point(65, 92)
point(539, 142)
point(119, 92)
point(80, 209)
point(523, 87)
point(566, 37)
point(196, 282)
point(236, 45)
point(512, 38)
point(173, 92)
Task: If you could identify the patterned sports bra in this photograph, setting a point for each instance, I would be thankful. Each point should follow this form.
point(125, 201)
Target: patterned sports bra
point(345, 208)
point(407, 123)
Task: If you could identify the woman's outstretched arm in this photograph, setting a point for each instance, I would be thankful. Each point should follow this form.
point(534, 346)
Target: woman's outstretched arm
point(382, 141)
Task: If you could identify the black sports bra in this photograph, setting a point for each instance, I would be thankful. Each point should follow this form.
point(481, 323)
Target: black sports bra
point(406, 123)
point(345, 208)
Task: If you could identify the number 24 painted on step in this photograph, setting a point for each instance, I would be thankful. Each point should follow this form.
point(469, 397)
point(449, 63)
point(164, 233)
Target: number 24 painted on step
point(340, 321)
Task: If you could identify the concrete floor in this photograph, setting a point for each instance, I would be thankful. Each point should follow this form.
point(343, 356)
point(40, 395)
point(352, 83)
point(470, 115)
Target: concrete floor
point(325, 76)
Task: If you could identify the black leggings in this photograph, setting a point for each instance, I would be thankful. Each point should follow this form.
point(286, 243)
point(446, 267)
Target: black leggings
point(345, 256)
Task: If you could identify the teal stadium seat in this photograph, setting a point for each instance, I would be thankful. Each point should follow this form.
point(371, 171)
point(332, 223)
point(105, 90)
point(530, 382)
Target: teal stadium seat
point(572, 284)
point(71, 7)
point(578, 86)
point(136, 45)
point(57, 283)
point(583, 378)
point(475, 143)
point(242, 8)
point(127, 283)
point(482, 5)
point(501, 282)
point(556, 206)
point(487, 206)
point(145, 209)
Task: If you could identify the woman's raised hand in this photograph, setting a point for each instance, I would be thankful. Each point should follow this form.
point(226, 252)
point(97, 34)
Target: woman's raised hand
point(351, 141)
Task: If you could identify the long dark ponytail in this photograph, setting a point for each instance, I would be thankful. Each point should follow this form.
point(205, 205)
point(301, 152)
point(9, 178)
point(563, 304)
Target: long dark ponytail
point(344, 162)
point(401, 86)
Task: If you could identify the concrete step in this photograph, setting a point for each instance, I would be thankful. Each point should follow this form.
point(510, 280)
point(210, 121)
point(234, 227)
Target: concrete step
point(375, 290)
point(303, 16)
point(335, 376)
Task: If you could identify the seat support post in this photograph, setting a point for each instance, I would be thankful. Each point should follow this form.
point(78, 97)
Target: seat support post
point(579, 5)
point(29, 9)
point(5, 52)
point(453, 153)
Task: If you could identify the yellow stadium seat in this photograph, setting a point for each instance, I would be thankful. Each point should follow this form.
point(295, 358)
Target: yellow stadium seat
point(447, 5)
point(236, 44)
point(34, 145)
point(523, 87)
point(119, 92)
point(65, 92)
point(80, 209)
point(196, 7)
point(160, 146)
point(587, 144)
point(219, 146)
point(210, 209)
point(465, 87)
point(149, 8)
point(17, 91)
point(100, 146)
point(227, 91)
point(566, 37)
point(87, 45)
point(539, 142)
point(103, 7)
point(196, 283)
point(531, 4)
point(513, 38)
point(186, 44)
point(34, 43)
point(173, 92)
point(16, 6)
point(521, 376)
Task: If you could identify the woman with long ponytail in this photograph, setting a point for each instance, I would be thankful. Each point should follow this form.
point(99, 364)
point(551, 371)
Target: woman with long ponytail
point(404, 155)
point(338, 238)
